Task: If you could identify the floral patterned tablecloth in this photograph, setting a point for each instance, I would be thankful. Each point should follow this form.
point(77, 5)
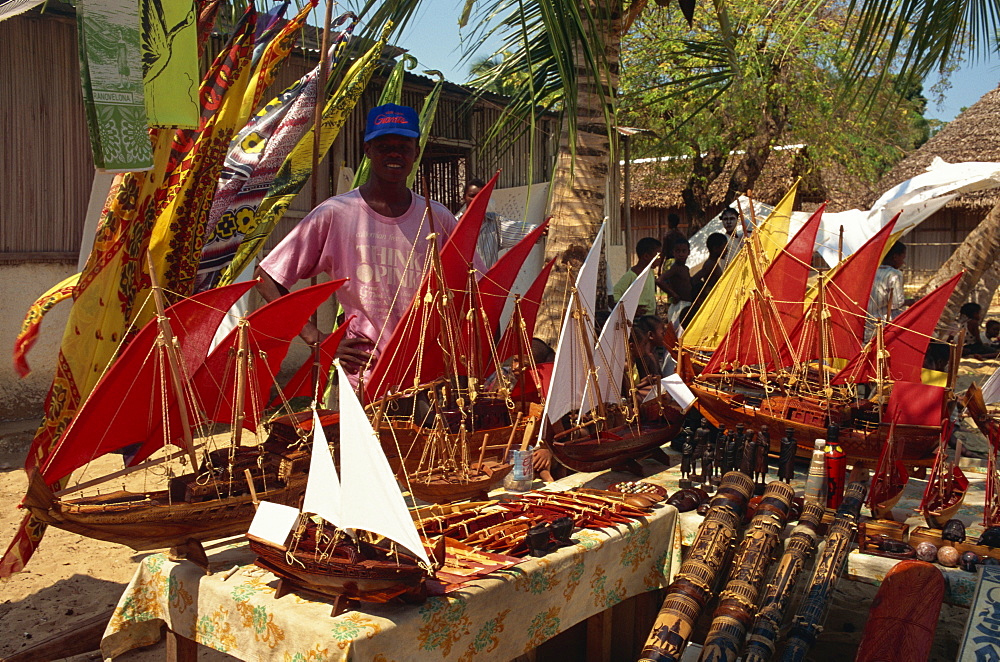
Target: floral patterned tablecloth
point(496, 618)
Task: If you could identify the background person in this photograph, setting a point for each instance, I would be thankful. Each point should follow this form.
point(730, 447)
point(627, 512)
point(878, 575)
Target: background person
point(647, 252)
point(887, 297)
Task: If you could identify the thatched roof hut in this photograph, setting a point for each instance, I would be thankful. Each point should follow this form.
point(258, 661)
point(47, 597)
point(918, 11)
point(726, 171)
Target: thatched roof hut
point(657, 186)
point(972, 136)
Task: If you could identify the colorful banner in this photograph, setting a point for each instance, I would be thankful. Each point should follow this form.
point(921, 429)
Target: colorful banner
point(33, 321)
point(170, 69)
point(255, 156)
point(297, 167)
point(111, 77)
point(107, 299)
point(273, 46)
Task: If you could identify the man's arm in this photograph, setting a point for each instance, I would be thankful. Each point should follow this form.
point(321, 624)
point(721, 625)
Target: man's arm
point(347, 352)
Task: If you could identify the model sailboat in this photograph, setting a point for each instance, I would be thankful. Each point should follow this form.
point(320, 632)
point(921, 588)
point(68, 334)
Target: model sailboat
point(353, 535)
point(774, 366)
point(162, 390)
point(588, 423)
point(426, 391)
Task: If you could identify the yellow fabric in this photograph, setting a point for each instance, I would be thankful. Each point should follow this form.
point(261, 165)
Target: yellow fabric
point(298, 165)
point(933, 377)
point(724, 302)
point(276, 50)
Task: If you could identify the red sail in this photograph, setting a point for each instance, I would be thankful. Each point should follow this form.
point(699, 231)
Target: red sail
point(301, 383)
point(529, 303)
point(128, 405)
point(270, 331)
point(906, 340)
point(787, 276)
point(414, 352)
point(480, 330)
point(749, 340)
point(845, 304)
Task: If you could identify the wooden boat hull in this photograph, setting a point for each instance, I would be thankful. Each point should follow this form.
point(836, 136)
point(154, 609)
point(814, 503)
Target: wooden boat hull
point(447, 489)
point(859, 439)
point(883, 509)
point(159, 519)
point(368, 581)
point(937, 517)
point(616, 446)
point(150, 521)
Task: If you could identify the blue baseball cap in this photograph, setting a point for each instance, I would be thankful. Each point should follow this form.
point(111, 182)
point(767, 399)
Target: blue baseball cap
point(392, 119)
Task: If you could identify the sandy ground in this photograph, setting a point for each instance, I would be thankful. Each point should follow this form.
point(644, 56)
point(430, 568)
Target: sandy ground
point(72, 578)
point(69, 579)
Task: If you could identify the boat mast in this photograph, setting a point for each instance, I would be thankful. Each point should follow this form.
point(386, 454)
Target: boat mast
point(242, 371)
point(165, 340)
point(580, 315)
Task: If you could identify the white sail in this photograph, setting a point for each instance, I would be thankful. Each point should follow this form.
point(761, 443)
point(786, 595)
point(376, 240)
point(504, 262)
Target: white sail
point(611, 351)
point(273, 522)
point(991, 388)
point(323, 490)
point(375, 502)
point(576, 341)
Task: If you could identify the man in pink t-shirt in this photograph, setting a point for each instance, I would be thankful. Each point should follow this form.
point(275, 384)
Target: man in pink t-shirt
point(375, 235)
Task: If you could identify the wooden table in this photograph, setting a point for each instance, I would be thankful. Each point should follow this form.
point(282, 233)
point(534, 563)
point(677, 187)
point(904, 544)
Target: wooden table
point(585, 595)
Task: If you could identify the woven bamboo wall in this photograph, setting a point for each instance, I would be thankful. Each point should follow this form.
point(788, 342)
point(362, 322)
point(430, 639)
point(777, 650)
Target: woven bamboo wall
point(46, 175)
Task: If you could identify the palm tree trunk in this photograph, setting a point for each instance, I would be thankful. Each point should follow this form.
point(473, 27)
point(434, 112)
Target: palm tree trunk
point(987, 287)
point(977, 255)
point(579, 195)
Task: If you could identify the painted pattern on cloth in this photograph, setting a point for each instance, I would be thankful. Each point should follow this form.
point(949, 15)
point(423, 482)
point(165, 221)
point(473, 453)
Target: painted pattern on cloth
point(297, 167)
point(106, 300)
point(254, 157)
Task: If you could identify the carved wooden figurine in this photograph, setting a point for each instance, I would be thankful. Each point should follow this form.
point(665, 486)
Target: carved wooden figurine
point(741, 433)
point(786, 461)
point(700, 445)
point(749, 457)
point(731, 456)
point(692, 588)
point(720, 453)
point(708, 464)
point(763, 448)
point(687, 458)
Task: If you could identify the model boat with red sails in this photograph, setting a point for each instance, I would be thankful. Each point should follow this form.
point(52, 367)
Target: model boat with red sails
point(775, 364)
point(441, 428)
point(166, 391)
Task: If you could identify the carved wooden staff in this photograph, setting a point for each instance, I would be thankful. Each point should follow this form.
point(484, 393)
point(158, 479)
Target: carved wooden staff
point(738, 602)
point(692, 588)
point(801, 544)
point(809, 621)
